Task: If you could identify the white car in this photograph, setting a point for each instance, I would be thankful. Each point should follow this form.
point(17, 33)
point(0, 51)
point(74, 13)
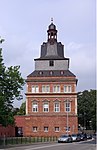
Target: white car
point(65, 138)
point(76, 137)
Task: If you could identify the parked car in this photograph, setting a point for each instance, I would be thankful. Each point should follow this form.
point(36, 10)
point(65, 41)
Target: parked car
point(65, 138)
point(89, 136)
point(83, 136)
point(76, 137)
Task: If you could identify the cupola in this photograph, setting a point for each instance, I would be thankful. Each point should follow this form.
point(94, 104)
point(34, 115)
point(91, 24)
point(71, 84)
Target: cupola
point(52, 33)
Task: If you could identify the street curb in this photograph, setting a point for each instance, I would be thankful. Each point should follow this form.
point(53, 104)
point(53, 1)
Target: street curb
point(28, 144)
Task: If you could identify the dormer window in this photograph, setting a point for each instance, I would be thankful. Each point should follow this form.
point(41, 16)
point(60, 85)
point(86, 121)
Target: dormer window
point(51, 63)
point(51, 72)
point(62, 72)
point(40, 72)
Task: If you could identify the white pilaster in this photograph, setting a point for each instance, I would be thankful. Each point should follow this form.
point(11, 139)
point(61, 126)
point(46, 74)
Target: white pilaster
point(26, 106)
point(76, 105)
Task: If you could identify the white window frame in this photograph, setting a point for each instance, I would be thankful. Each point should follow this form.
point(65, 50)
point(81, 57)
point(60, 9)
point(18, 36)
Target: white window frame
point(45, 107)
point(34, 107)
point(35, 89)
point(57, 129)
point(67, 89)
point(45, 129)
point(35, 129)
point(56, 89)
point(67, 107)
point(56, 107)
point(45, 89)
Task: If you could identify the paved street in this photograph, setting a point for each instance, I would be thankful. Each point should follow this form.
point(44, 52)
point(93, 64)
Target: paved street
point(83, 145)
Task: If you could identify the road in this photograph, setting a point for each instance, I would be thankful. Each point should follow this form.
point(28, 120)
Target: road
point(83, 145)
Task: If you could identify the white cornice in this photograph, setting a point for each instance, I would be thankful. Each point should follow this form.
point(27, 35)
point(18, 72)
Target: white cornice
point(50, 96)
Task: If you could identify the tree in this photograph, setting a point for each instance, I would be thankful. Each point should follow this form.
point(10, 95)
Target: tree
point(15, 111)
point(87, 109)
point(11, 84)
point(22, 110)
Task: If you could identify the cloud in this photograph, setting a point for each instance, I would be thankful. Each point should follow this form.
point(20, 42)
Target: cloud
point(83, 64)
point(74, 46)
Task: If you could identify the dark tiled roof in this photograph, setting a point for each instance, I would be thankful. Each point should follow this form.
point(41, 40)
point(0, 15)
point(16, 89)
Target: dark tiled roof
point(47, 55)
point(51, 73)
point(52, 58)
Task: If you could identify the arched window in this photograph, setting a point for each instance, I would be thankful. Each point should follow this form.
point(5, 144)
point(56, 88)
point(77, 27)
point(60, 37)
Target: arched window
point(56, 107)
point(67, 106)
point(45, 107)
point(35, 107)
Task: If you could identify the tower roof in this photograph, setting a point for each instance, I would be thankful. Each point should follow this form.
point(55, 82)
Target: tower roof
point(52, 49)
point(52, 26)
point(51, 73)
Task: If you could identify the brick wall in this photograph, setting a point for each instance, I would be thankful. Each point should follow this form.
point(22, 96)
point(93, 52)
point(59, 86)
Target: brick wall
point(20, 123)
point(40, 97)
point(51, 81)
point(8, 131)
point(51, 101)
point(50, 119)
point(51, 122)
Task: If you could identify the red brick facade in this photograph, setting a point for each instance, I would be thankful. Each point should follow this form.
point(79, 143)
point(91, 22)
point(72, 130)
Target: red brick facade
point(8, 131)
point(51, 119)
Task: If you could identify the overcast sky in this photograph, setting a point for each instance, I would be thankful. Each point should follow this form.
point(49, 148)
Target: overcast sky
point(24, 23)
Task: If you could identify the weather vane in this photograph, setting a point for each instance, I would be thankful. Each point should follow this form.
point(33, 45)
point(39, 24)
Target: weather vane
point(51, 20)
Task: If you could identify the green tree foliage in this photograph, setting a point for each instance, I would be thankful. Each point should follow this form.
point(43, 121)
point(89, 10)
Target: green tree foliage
point(22, 110)
point(87, 109)
point(15, 111)
point(11, 84)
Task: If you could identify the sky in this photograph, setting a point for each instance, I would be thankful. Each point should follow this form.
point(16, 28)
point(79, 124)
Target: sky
point(24, 24)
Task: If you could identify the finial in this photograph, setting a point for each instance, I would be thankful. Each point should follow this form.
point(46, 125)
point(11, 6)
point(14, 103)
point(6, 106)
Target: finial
point(51, 20)
point(1, 40)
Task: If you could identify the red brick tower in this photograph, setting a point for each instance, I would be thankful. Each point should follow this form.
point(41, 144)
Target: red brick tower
point(51, 98)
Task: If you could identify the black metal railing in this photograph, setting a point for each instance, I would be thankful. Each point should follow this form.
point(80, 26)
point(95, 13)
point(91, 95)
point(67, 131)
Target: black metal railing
point(25, 140)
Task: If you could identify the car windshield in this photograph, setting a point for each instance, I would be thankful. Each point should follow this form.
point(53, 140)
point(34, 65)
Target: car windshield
point(74, 135)
point(64, 136)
